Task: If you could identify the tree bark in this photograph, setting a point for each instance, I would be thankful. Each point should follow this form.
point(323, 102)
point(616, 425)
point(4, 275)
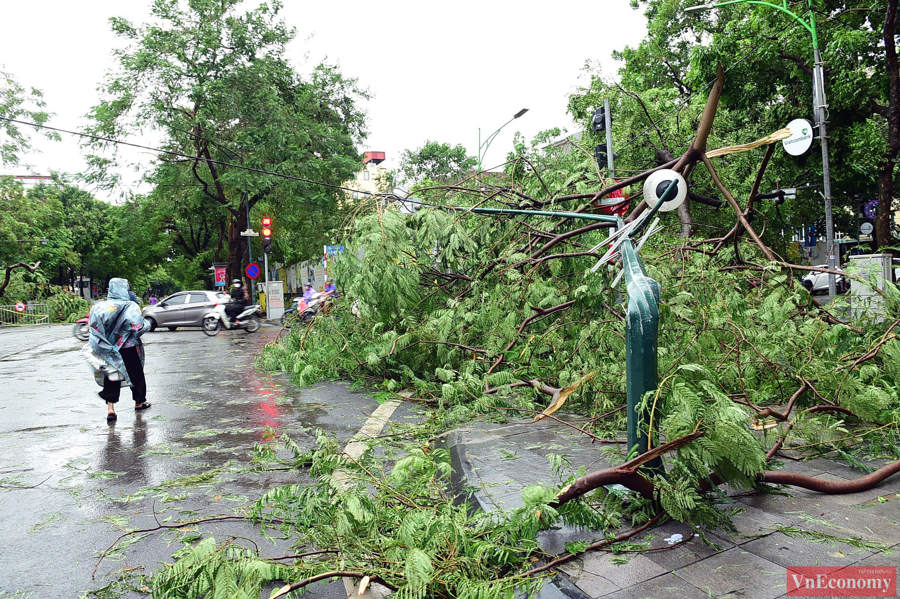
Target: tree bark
point(236, 248)
point(684, 212)
point(886, 168)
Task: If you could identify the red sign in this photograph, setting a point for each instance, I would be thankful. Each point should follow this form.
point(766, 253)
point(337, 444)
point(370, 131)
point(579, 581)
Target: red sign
point(614, 204)
point(252, 270)
point(221, 280)
point(846, 581)
point(20, 307)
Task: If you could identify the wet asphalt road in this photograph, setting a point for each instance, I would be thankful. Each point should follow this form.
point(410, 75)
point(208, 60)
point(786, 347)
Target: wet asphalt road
point(92, 480)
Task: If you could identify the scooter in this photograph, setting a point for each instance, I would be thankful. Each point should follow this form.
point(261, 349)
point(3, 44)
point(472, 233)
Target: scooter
point(82, 329)
point(215, 319)
point(303, 310)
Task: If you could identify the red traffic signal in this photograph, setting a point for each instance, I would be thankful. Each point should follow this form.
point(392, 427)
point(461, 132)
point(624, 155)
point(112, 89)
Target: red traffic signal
point(267, 234)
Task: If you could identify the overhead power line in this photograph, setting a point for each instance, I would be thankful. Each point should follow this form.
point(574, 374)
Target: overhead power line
point(188, 156)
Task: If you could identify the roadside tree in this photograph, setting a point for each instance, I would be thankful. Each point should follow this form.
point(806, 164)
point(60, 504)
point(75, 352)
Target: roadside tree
point(215, 84)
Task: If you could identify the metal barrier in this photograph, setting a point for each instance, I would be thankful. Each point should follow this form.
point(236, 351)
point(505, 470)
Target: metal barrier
point(34, 314)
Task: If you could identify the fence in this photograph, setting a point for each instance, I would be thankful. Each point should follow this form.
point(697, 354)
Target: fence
point(34, 314)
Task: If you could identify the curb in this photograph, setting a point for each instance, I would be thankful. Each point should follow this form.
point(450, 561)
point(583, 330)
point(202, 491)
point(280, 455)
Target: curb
point(464, 485)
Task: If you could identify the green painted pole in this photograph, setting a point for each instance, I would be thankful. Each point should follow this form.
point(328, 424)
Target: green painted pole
point(641, 339)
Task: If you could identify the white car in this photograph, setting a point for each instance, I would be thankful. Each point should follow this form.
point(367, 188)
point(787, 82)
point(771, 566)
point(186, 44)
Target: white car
point(817, 282)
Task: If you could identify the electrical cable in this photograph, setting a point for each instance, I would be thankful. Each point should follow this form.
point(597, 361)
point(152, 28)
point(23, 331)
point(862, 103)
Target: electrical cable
point(188, 156)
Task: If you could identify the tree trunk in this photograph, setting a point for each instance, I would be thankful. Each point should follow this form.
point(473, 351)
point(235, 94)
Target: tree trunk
point(892, 114)
point(885, 199)
point(236, 245)
point(683, 211)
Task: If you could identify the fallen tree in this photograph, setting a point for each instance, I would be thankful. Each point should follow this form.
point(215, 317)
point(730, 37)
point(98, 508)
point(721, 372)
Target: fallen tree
point(477, 314)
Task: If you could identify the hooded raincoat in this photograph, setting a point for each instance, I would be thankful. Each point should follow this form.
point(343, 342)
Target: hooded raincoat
point(116, 323)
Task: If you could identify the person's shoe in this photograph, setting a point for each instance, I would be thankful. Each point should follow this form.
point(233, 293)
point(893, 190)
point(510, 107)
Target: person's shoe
point(142, 406)
point(111, 417)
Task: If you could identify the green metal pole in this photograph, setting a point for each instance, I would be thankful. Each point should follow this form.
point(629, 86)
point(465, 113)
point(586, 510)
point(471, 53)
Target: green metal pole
point(641, 340)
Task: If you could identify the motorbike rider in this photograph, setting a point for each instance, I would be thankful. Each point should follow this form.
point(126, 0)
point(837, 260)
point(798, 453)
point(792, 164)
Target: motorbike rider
point(239, 301)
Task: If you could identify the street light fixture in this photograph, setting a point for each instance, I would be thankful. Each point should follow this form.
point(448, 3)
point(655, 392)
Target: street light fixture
point(483, 147)
point(819, 106)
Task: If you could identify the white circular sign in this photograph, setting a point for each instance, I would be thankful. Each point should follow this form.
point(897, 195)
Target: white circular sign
point(801, 137)
point(20, 307)
point(657, 183)
point(866, 229)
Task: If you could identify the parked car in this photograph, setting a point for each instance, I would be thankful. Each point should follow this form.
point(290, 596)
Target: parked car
point(183, 309)
point(817, 282)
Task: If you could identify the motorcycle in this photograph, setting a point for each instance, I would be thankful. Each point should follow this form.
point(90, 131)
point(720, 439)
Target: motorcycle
point(215, 319)
point(82, 329)
point(303, 310)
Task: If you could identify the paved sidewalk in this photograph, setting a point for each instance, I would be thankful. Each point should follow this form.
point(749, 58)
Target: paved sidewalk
point(496, 461)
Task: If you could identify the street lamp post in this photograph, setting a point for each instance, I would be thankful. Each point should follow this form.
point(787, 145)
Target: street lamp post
point(483, 147)
point(819, 106)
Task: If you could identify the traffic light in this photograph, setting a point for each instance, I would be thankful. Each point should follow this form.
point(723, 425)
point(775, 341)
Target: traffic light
point(599, 120)
point(601, 156)
point(267, 234)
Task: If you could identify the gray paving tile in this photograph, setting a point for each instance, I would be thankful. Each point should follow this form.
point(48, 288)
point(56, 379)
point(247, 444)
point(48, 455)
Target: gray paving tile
point(790, 505)
point(662, 587)
point(845, 522)
point(882, 559)
point(886, 505)
point(787, 551)
point(673, 557)
point(638, 569)
point(752, 523)
point(738, 573)
point(595, 586)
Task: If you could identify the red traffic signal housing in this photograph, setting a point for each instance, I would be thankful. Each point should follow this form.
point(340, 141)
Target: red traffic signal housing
point(267, 234)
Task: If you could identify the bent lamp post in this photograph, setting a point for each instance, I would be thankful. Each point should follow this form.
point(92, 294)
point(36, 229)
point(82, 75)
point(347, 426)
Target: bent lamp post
point(641, 321)
point(483, 146)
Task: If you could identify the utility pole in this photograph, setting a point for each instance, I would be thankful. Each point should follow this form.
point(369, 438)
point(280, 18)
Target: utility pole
point(819, 105)
point(250, 247)
point(610, 156)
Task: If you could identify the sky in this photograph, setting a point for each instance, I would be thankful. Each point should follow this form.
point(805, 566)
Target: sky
point(436, 71)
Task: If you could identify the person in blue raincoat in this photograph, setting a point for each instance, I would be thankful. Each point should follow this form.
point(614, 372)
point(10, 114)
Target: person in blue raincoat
point(116, 327)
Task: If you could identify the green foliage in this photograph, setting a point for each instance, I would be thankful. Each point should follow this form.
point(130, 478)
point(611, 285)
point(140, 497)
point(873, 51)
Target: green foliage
point(212, 571)
point(662, 83)
point(399, 525)
point(213, 79)
point(66, 306)
point(442, 297)
point(435, 161)
point(20, 104)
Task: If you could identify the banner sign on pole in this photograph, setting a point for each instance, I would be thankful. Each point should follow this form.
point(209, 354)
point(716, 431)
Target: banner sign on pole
point(801, 138)
point(220, 268)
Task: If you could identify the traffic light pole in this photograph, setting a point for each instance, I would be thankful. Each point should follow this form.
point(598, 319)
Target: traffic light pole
point(610, 156)
point(266, 270)
point(250, 248)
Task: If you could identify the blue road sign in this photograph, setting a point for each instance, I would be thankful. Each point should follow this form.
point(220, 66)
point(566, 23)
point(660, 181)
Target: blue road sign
point(252, 270)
